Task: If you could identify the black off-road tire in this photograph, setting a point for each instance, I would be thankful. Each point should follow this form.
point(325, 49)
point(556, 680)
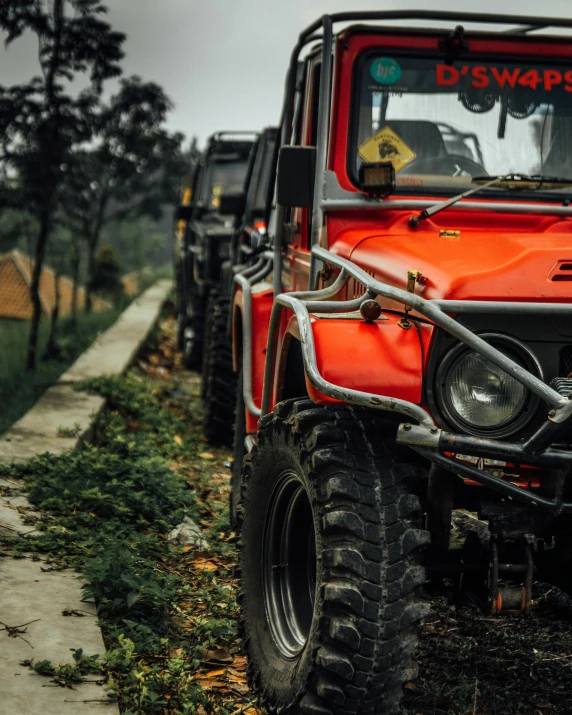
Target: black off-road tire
point(195, 325)
point(238, 452)
point(180, 311)
point(181, 322)
point(219, 378)
point(358, 643)
point(211, 303)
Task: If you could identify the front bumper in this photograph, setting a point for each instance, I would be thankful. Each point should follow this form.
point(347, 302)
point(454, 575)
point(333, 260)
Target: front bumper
point(541, 450)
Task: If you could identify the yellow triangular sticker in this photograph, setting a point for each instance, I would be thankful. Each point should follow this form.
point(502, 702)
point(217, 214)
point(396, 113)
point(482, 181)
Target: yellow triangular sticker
point(386, 145)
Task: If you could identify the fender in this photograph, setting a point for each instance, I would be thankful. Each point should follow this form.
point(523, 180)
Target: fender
point(262, 300)
point(380, 357)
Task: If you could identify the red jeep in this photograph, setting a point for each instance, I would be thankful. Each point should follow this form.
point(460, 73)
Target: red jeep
point(406, 347)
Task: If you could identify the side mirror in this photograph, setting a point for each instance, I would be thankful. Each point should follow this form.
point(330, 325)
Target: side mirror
point(295, 180)
point(232, 204)
point(183, 213)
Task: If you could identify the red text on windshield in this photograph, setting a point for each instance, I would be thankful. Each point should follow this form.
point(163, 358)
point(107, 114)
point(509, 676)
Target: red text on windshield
point(481, 77)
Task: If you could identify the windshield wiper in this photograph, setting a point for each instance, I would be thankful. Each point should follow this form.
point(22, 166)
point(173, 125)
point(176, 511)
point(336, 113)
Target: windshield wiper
point(515, 182)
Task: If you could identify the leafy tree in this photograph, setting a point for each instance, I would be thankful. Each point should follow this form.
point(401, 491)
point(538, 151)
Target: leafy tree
point(106, 278)
point(18, 229)
point(131, 170)
point(42, 121)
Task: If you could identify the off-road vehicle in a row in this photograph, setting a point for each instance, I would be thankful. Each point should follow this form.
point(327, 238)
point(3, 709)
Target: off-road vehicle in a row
point(406, 347)
point(222, 168)
point(219, 377)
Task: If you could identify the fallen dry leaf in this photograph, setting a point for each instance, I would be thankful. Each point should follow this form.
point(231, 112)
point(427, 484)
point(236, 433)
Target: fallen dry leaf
point(178, 439)
point(220, 656)
point(236, 679)
point(209, 684)
point(213, 674)
point(236, 673)
point(206, 455)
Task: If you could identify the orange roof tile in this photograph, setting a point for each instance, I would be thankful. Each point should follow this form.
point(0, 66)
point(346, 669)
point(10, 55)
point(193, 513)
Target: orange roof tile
point(15, 279)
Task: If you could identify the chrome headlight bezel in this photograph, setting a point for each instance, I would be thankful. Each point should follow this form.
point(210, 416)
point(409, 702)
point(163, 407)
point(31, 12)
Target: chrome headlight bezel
point(517, 351)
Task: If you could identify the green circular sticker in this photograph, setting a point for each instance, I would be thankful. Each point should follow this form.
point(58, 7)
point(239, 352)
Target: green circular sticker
point(385, 70)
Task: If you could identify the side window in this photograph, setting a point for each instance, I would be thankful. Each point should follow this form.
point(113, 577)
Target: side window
point(197, 179)
point(253, 178)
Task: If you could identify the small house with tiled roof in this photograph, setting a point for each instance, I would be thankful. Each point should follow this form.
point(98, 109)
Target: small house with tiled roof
point(15, 280)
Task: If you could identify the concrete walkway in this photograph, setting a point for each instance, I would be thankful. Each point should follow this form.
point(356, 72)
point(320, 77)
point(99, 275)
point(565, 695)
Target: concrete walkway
point(29, 591)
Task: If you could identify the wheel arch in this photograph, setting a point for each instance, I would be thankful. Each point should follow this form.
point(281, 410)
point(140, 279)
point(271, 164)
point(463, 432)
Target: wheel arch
point(391, 360)
point(237, 329)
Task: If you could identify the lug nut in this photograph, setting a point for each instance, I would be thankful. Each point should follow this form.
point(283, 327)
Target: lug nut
point(370, 310)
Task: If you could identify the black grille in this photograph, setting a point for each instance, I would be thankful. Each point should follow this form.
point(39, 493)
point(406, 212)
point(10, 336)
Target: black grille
point(565, 272)
point(566, 361)
point(563, 385)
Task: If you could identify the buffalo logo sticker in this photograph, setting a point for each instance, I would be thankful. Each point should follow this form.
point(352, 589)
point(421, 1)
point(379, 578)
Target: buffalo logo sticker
point(385, 70)
point(386, 145)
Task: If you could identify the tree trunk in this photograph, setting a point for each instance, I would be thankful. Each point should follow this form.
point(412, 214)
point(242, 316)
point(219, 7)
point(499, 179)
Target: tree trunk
point(52, 350)
point(75, 280)
point(90, 270)
point(92, 241)
point(45, 220)
point(46, 211)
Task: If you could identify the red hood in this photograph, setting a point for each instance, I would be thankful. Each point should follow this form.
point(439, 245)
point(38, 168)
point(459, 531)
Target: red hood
point(478, 264)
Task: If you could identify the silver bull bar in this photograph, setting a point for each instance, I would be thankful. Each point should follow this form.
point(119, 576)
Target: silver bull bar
point(303, 303)
point(425, 437)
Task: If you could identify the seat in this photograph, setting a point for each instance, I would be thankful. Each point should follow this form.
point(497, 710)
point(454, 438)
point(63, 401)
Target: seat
point(423, 137)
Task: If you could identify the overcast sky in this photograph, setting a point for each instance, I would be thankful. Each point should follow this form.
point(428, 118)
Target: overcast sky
point(223, 62)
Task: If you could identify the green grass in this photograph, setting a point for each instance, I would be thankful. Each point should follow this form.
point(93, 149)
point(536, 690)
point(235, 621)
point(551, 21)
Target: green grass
point(19, 390)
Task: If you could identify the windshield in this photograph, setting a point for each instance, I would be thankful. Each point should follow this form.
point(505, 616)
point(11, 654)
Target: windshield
point(442, 124)
point(224, 177)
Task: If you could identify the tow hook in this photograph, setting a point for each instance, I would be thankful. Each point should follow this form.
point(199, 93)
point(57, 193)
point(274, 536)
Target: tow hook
point(498, 576)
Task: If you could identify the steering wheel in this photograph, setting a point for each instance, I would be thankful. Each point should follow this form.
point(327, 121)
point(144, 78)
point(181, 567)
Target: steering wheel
point(450, 165)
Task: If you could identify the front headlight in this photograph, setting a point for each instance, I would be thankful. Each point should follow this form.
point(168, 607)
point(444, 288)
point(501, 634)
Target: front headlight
point(480, 398)
point(482, 394)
